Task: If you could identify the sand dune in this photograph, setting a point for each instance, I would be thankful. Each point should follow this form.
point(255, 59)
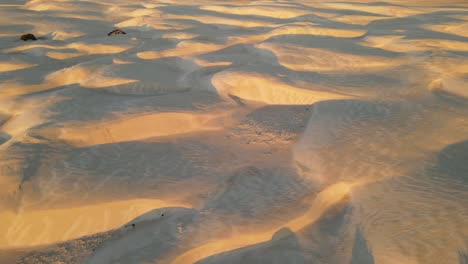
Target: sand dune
point(88, 77)
point(356, 20)
point(86, 48)
point(233, 131)
point(185, 48)
point(267, 90)
point(291, 57)
point(24, 229)
point(327, 198)
point(13, 66)
point(394, 11)
point(398, 44)
point(452, 28)
point(192, 48)
point(134, 128)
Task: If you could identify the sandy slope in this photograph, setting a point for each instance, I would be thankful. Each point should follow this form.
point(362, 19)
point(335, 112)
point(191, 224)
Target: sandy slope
point(234, 131)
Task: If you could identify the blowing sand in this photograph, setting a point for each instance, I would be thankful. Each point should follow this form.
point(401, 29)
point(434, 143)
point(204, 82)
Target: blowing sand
point(234, 132)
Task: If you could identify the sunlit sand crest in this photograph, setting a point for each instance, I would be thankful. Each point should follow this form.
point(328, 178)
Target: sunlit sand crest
point(329, 197)
point(88, 77)
point(291, 57)
point(23, 229)
point(258, 11)
point(267, 89)
point(135, 128)
point(12, 66)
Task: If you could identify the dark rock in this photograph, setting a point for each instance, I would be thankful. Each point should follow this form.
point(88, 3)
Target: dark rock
point(28, 36)
point(116, 32)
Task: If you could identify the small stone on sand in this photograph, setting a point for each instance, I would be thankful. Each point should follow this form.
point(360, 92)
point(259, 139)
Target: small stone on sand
point(28, 36)
point(116, 32)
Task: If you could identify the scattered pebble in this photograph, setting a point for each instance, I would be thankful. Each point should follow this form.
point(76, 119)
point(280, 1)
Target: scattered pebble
point(116, 32)
point(28, 36)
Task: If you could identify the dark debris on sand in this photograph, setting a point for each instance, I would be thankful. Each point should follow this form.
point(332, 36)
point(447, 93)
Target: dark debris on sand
point(28, 36)
point(116, 32)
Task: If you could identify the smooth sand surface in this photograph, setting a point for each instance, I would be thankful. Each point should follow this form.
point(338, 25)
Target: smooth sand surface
point(297, 131)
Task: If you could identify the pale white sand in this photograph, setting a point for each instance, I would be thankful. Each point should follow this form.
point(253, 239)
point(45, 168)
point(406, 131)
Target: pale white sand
point(234, 131)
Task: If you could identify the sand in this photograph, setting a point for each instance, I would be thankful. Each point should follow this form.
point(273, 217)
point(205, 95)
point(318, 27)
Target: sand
point(234, 131)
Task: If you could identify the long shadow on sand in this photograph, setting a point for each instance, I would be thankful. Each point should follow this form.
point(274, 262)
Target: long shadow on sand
point(318, 243)
point(81, 104)
point(284, 247)
point(361, 253)
point(451, 164)
point(463, 257)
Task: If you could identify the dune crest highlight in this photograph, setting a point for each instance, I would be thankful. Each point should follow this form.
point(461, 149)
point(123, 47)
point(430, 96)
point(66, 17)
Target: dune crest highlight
point(324, 200)
point(134, 128)
point(267, 90)
point(22, 229)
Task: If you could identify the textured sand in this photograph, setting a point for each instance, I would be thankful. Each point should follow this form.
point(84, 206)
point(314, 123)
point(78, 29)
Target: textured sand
point(234, 132)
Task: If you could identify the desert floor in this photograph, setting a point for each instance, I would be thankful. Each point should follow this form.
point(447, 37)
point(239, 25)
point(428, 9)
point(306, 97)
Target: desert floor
point(292, 131)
